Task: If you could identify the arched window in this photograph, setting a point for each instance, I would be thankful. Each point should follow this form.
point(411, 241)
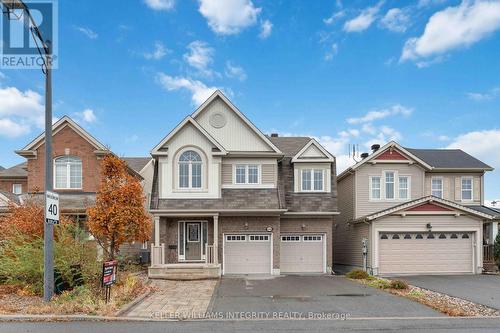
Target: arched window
point(190, 164)
point(68, 172)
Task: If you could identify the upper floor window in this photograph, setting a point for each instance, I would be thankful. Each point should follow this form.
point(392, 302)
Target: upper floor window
point(247, 174)
point(17, 188)
point(404, 187)
point(312, 180)
point(437, 187)
point(389, 185)
point(467, 188)
point(375, 187)
point(190, 164)
point(68, 172)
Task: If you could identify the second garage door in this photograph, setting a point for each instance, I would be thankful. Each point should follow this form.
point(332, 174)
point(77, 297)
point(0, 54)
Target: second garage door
point(247, 254)
point(425, 253)
point(302, 254)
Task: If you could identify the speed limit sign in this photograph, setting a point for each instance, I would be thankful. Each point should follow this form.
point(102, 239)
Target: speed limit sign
point(51, 208)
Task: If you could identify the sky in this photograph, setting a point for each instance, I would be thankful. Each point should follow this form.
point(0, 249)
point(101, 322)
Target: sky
point(425, 73)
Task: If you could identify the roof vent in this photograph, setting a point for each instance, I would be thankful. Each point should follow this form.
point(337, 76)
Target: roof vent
point(274, 135)
point(375, 147)
point(364, 155)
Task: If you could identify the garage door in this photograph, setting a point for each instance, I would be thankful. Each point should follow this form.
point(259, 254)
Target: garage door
point(247, 254)
point(302, 254)
point(425, 253)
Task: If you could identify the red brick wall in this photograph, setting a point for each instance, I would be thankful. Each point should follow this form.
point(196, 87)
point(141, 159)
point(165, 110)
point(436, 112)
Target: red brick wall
point(6, 184)
point(78, 146)
point(391, 155)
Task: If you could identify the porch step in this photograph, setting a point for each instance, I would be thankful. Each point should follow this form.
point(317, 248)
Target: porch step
point(184, 272)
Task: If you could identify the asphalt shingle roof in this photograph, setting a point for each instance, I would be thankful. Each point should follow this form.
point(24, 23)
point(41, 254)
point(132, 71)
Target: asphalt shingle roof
point(448, 158)
point(289, 145)
point(16, 171)
point(487, 210)
point(136, 163)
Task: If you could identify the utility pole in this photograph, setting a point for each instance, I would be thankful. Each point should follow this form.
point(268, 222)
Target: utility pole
point(45, 50)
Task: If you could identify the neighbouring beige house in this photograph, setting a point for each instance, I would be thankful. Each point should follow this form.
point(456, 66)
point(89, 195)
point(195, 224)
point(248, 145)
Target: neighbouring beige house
point(227, 199)
point(414, 211)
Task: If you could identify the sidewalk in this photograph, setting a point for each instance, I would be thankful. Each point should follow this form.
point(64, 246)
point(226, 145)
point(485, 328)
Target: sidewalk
point(175, 299)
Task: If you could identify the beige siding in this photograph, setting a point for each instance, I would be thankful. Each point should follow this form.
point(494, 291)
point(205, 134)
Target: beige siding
point(269, 173)
point(452, 186)
point(268, 170)
point(227, 173)
point(312, 151)
point(363, 203)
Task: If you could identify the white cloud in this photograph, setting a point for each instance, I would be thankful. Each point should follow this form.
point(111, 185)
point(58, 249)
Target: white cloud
point(371, 116)
point(454, 27)
point(19, 111)
point(234, 71)
point(334, 50)
point(158, 53)
point(364, 20)
point(425, 3)
point(396, 20)
point(334, 17)
point(229, 17)
point(199, 91)
point(87, 116)
point(87, 32)
point(491, 94)
point(165, 5)
point(484, 145)
point(266, 27)
point(200, 57)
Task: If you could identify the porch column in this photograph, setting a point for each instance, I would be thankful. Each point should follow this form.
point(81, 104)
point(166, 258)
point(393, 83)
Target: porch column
point(216, 239)
point(157, 230)
point(494, 231)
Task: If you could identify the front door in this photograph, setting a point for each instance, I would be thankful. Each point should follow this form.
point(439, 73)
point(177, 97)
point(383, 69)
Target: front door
point(193, 241)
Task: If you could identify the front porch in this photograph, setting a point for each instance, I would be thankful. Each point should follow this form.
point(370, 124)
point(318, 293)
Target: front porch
point(490, 232)
point(185, 248)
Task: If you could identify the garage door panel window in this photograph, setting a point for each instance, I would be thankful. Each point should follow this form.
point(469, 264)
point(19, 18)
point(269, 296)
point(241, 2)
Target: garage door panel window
point(465, 236)
point(290, 238)
point(259, 238)
point(236, 238)
point(313, 238)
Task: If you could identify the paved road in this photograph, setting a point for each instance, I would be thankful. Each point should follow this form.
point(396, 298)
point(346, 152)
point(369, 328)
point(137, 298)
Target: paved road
point(362, 325)
point(482, 289)
point(317, 294)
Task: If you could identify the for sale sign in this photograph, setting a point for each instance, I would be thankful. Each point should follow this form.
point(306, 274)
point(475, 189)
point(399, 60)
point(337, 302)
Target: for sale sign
point(109, 273)
point(51, 208)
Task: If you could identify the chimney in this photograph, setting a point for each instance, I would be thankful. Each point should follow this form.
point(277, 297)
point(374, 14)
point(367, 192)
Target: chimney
point(274, 135)
point(375, 147)
point(364, 155)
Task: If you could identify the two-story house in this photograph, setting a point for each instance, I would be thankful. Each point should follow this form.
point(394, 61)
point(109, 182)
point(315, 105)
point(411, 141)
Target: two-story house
point(227, 199)
point(412, 211)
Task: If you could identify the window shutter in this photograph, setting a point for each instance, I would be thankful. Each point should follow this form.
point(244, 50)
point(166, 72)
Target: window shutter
point(428, 181)
point(476, 188)
point(458, 188)
point(446, 188)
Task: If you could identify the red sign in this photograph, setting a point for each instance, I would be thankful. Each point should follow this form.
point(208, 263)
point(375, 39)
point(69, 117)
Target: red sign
point(109, 272)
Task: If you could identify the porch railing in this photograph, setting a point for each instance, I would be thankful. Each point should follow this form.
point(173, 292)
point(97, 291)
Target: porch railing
point(488, 253)
point(157, 254)
point(210, 254)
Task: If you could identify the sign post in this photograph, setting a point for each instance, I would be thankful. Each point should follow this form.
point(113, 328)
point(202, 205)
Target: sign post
point(108, 277)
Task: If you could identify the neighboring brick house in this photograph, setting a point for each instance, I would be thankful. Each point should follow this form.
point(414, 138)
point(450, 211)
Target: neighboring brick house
point(15, 179)
point(226, 199)
point(417, 211)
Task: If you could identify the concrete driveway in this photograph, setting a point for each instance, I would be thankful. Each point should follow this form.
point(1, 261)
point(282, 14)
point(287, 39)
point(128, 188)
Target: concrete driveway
point(482, 289)
point(316, 294)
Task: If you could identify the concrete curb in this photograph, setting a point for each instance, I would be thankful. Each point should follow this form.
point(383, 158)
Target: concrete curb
point(129, 306)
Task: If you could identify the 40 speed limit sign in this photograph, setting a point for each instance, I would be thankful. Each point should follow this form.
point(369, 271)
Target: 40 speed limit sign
point(51, 208)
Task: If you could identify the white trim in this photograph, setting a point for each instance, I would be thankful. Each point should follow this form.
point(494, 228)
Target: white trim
point(247, 175)
point(14, 188)
point(177, 167)
point(408, 188)
point(312, 171)
point(271, 271)
point(328, 157)
point(219, 94)
point(394, 176)
point(383, 192)
point(370, 187)
point(68, 174)
point(471, 188)
point(441, 178)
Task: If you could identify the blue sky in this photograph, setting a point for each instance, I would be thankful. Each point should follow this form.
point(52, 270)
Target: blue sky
point(425, 73)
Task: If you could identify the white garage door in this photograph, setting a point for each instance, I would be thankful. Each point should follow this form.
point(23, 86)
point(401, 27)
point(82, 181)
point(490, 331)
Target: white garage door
point(247, 254)
point(302, 254)
point(425, 253)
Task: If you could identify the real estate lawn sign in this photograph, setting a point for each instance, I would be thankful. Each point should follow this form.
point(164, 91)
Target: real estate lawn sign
point(108, 277)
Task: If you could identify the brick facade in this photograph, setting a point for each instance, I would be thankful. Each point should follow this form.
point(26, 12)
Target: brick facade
point(66, 140)
point(6, 184)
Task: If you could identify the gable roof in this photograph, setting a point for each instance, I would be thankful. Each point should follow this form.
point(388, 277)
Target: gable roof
point(327, 156)
point(487, 210)
point(17, 171)
point(449, 159)
point(428, 199)
point(219, 94)
point(289, 145)
point(56, 127)
point(136, 163)
point(188, 120)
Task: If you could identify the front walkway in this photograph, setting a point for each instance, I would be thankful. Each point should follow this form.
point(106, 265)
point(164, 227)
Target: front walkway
point(176, 299)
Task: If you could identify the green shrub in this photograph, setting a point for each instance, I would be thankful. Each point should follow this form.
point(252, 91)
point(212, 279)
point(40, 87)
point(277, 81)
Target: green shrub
point(357, 274)
point(496, 249)
point(74, 260)
point(379, 283)
point(399, 284)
